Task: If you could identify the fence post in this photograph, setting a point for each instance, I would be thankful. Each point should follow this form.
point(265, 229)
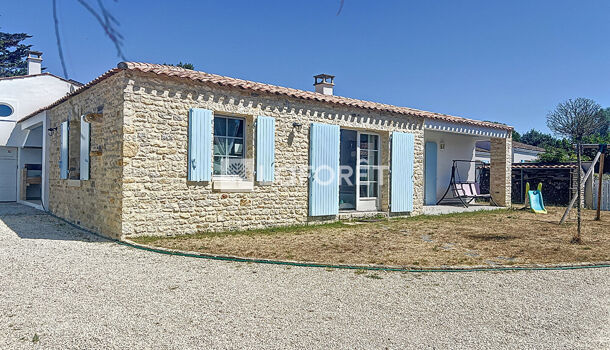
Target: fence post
point(599, 188)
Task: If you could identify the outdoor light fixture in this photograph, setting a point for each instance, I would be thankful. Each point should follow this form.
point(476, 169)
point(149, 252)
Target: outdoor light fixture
point(442, 145)
point(297, 126)
point(51, 131)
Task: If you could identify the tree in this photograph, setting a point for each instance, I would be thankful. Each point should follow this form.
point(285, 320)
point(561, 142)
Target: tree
point(576, 120)
point(556, 155)
point(13, 54)
point(536, 138)
point(605, 129)
point(182, 65)
point(556, 150)
point(516, 136)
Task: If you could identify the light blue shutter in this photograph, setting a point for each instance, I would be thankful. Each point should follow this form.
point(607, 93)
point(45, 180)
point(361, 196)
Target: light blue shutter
point(85, 133)
point(200, 145)
point(401, 187)
point(265, 148)
point(63, 151)
point(324, 170)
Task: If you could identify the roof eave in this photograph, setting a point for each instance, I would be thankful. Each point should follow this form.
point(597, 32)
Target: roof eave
point(177, 72)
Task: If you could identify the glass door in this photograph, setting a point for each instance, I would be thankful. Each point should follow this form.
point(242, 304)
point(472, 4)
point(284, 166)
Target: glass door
point(348, 161)
point(368, 170)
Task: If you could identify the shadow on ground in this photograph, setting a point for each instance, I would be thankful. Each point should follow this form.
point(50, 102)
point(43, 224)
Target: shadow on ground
point(29, 223)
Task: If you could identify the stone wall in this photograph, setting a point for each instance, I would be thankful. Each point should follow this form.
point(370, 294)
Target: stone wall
point(94, 203)
point(500, 170)
point(158, 200)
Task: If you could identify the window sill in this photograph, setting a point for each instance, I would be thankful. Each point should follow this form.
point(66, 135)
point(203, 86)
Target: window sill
point(232, 186)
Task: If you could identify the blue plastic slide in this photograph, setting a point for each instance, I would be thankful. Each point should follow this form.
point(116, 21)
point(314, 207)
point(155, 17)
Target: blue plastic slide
point(535, 200)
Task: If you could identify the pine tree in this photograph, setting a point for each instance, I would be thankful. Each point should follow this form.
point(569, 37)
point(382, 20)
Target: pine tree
point(13, 54)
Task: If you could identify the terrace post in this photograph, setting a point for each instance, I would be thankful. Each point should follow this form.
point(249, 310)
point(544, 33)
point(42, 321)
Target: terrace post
point(500, 170)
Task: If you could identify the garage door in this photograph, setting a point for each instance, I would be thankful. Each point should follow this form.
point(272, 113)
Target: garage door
point(8, 174)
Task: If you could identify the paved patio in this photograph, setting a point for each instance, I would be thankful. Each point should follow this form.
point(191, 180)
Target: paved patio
point(61, 288)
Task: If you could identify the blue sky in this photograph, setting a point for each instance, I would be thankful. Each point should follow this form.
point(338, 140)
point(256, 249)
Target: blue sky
point(506, 61)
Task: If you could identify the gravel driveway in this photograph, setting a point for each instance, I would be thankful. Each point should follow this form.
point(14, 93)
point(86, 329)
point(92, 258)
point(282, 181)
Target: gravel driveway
point(73, 290)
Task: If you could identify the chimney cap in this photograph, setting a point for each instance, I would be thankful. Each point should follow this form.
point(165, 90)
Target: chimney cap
point(34, 54)
point(324, 79)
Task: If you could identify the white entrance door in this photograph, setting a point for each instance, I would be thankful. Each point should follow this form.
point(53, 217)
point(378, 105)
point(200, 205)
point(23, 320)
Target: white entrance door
point(8, 174)
point(368, 169)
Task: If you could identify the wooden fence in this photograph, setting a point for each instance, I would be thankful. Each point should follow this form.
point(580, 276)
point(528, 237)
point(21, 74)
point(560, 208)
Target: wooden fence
point(605, 205)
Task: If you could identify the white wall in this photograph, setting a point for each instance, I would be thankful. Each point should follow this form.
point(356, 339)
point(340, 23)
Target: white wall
point(25, 95)
point(30, 156)
point(522, 155)
point(519, 156)
point(34, 138)
point(457, 146)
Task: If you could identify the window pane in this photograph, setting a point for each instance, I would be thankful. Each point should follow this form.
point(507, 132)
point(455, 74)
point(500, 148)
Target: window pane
point(236, 147)
point(220, 126)
point(373, 157)
point(217, 165)
point(364, 141)
point(363, 191)
point(235, 166)
point(373, 174)
point(372, 189)
point(374, 142)
point(364, 176)
point(235, 127)
point(364, 156)
point(220, 146)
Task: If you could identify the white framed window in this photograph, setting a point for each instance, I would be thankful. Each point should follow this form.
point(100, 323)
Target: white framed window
point(229, 147)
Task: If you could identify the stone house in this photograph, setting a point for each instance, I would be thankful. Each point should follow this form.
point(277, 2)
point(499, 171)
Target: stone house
point(148, 149)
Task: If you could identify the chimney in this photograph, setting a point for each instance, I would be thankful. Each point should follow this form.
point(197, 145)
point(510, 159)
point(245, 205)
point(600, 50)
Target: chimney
point(34, 62)
point(324, 83)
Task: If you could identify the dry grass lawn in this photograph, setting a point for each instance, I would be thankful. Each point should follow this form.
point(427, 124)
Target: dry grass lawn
point(503, 237)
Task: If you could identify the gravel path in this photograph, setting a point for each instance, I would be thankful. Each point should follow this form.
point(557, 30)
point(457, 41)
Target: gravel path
point(73, 290)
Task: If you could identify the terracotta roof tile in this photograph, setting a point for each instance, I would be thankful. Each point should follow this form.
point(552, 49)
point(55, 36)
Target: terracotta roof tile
point(484, 146)
point(544, 166)
point(178, 72)
point(541, 166)
point(526, 146)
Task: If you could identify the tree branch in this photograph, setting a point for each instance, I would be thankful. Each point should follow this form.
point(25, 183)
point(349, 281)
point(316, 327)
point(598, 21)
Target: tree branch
point(107, 21)
point(57, 36)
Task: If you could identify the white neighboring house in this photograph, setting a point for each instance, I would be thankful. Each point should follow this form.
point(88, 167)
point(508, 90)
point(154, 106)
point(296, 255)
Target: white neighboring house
point(23, 144)
point(522, 153)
